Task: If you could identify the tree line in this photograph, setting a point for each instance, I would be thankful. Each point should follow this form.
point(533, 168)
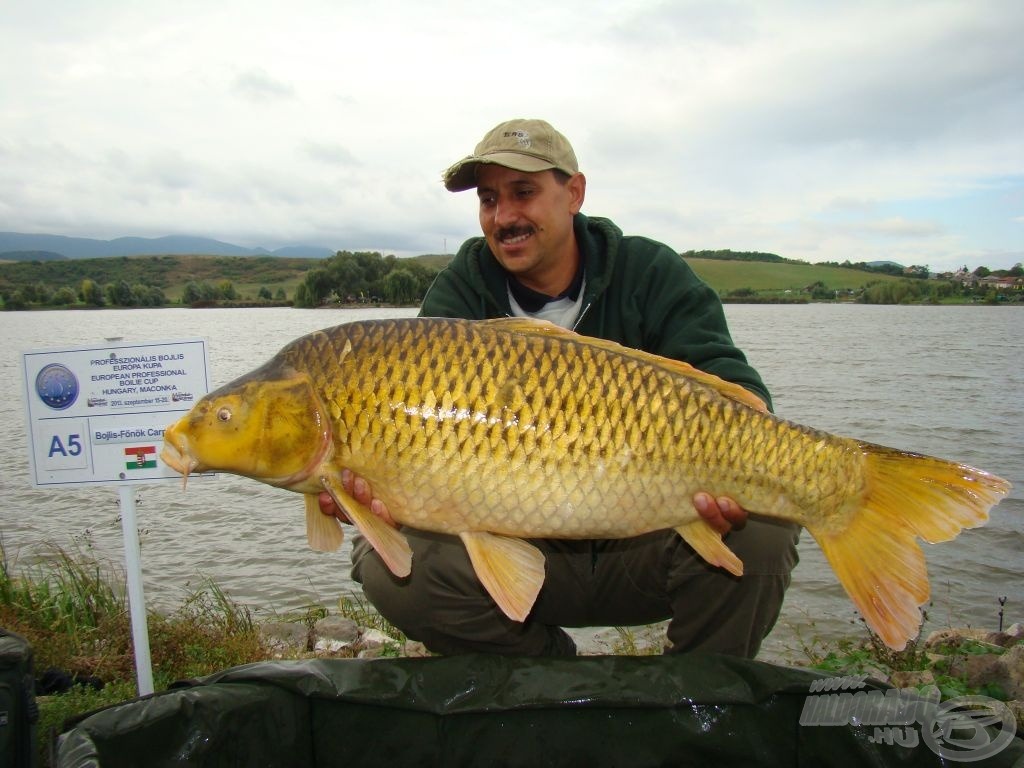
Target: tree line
point(88, 292)
point(364, 277)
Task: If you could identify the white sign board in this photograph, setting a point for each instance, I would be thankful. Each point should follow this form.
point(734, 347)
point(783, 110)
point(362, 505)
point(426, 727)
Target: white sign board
point(97, 414)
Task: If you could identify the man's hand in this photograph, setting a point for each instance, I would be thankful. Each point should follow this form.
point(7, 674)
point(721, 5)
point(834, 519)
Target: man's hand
point(360, 490)
point(722, 513)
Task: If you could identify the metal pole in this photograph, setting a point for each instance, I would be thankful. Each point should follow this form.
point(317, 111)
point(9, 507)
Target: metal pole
point(136, 598)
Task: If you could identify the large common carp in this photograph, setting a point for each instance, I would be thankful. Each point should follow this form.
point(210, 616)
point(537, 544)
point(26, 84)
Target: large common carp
point(503, 430)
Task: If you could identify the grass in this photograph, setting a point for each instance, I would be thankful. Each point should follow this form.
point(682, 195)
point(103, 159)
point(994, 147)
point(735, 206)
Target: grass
point(73, 612)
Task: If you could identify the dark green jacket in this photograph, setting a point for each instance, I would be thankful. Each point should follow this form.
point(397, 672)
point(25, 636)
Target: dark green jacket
point(638, 292)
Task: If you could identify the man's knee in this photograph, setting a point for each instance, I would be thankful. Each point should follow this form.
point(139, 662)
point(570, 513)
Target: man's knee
point(443, 604)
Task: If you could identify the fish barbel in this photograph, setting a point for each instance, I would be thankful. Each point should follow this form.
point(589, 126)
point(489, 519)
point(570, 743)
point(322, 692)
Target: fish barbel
point(502, 430)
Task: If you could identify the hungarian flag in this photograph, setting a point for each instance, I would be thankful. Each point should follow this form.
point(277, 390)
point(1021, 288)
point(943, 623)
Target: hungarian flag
point(142, 457)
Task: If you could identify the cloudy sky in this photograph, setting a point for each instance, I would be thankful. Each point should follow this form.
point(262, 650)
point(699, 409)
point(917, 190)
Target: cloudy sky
point(813, 129)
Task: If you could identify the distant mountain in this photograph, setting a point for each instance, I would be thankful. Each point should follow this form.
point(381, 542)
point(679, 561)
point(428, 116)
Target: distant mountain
point(86, 248)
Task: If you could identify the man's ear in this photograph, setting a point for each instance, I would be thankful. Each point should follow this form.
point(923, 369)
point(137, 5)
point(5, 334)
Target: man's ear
point(577, 186)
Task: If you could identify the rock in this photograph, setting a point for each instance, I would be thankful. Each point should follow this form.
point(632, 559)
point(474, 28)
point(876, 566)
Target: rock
point(912, 678)
point(336, 629)
point(324, 645)
point(415, 650)
point(374, 638)
point(284, 636)
point(945, 638)
point(1016, 630)
point(1002, 639)
point(981, 669)
point(1013, 661)
point(1005, 670)
point(1017, 707)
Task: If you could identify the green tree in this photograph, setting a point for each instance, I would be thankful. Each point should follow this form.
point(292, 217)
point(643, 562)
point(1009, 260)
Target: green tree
point(318, 286)
point(264, 293)
point(400, 286)
point(280, 295)
point(64, 296)
point(16, 301)
point(302, 299)
point(91, 293)
point(226, 290)
point(191, 294)
point(119, 294)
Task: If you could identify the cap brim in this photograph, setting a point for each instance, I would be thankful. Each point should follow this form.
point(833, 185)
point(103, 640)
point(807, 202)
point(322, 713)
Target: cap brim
point(462, 175)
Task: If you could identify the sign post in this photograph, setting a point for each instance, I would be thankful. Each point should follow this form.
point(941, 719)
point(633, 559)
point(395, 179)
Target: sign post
point(96, 416)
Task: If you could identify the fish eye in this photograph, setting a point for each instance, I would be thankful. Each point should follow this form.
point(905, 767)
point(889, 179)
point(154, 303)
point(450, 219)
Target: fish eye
point(224, 414)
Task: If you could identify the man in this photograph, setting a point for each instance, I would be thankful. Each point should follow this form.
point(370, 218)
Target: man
point(540, 257)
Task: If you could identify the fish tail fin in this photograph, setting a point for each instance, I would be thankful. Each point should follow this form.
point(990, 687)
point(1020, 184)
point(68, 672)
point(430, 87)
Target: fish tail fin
point(874, 552)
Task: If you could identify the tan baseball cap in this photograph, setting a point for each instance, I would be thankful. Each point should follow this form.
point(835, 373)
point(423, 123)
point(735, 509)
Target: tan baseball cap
point(523, 145)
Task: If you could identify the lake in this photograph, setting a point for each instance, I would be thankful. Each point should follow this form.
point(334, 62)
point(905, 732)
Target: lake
point(947, 381)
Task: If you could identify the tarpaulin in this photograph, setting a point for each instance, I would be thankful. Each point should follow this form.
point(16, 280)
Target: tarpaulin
point(478, 710)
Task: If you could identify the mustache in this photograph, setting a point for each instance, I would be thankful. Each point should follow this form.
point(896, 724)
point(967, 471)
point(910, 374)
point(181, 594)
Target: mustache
point(507, 232)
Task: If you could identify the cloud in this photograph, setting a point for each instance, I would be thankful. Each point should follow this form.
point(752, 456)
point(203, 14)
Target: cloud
point(258, 86)
point(817, 131)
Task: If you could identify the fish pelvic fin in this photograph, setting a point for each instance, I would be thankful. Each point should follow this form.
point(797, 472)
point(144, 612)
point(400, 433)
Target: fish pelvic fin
point(707, 543)
point(876, 555)
point(388, 542)
point(323, 532)
point(511, 570)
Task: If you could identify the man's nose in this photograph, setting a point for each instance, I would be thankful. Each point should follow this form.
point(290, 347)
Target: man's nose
point(505, 213)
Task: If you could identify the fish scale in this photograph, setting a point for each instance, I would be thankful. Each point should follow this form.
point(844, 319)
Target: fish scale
point(505, 430)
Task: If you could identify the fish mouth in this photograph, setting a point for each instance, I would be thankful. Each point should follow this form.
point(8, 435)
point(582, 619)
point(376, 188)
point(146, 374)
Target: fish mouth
point(178, 459)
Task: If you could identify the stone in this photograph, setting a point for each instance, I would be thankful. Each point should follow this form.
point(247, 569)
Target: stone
point(336, 629)
point(1013, 661)
point(324, 645)
point(945, 638)
point(1002, 639)
point(913, 678)
point(415, 650)
point(1017, 708)
point(284, 635)
point(374, 638)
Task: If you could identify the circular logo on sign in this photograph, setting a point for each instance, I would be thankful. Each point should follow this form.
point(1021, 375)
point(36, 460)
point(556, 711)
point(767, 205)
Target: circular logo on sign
point(57, 386)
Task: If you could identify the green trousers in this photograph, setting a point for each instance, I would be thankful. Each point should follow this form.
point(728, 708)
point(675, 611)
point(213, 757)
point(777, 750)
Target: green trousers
point(589, 583)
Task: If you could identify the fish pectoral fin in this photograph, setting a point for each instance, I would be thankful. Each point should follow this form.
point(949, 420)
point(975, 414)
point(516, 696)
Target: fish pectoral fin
point(323, 532)
point(387, 541)
point(707, 543)
point(511, 570)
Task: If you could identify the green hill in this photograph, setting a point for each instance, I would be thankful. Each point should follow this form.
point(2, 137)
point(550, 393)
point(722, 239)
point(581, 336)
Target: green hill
point(774, 278)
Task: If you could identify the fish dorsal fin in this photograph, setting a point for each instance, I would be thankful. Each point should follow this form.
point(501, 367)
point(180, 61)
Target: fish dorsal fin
point(511, 570)
point(531, 327)
point(323, 532)
point(707, 543)
point(388, 542)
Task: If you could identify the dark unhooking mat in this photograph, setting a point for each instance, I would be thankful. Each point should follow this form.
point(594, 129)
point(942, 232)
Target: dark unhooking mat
point(689, 710)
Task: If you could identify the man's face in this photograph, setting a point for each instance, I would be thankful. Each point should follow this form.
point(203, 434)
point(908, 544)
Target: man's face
point(526, 219)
